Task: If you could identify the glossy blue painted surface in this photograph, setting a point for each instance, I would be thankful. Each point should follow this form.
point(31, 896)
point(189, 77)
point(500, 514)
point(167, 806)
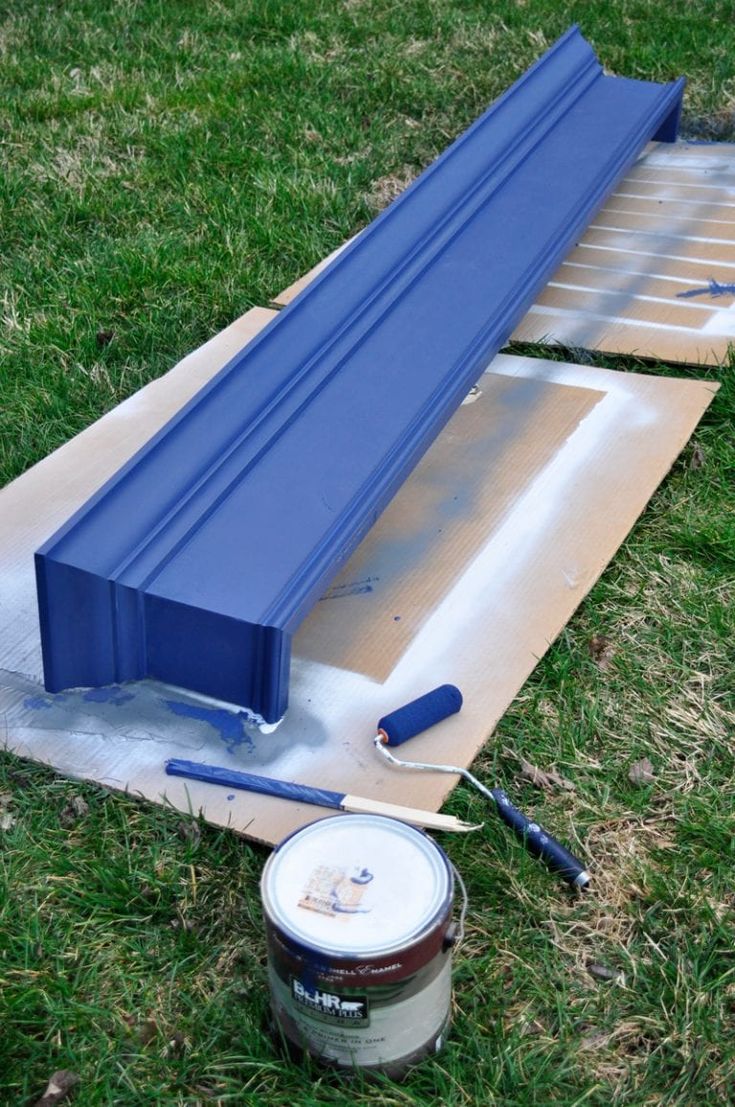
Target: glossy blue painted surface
point(249, 782)
point(197, 561)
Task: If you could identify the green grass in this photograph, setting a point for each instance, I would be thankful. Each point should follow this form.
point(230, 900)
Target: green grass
point(165, 167)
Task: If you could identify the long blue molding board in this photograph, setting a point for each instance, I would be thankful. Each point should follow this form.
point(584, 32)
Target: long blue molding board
point(197, 561)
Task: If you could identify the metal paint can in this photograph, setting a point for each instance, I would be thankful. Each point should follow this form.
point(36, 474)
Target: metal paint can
point(358, 914)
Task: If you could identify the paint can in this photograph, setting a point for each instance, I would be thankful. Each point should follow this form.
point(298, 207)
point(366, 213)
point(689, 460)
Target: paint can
point(358, 913)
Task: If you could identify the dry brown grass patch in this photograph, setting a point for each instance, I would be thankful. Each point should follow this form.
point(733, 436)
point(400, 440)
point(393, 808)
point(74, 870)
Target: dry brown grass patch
point(386, 189)
point(597, 927)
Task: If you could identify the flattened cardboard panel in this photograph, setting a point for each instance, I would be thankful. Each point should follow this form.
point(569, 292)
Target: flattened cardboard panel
point(650, 276)
point(654, 274)
point(502, 596)
point(440, 520)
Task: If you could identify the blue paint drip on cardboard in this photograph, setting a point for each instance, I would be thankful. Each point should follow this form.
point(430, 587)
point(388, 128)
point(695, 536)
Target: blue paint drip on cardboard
point(230, 725)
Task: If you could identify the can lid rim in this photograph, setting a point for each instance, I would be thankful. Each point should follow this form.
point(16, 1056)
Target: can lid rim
point(359, 954)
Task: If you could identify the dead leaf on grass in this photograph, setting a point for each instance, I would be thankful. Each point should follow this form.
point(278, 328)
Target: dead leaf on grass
point(602, 972)
point(696, 461)
point(176, 1045)
point(594, 1040)
point(547, 779)
point(7, 821)
point(189, 831)
point(601, 651)
point(104, 338)
point(59, 1087)
point(520, 1017)
point(77, 808)
point(182, 923)
point(641, 773)
point(147, 1032)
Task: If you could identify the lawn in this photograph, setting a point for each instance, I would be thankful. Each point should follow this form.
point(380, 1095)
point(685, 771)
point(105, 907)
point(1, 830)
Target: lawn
point(166, 166)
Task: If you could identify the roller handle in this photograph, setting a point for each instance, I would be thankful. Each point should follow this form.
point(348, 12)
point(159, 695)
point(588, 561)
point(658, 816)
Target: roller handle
point(418, 715)
point(541, 844)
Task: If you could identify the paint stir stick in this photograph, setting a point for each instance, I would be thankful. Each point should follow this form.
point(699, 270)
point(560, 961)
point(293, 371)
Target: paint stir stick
point(408, 721)
point(305, 793)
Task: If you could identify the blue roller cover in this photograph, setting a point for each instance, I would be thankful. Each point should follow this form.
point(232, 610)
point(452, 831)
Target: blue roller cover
point(197, 561)
point(421, 714)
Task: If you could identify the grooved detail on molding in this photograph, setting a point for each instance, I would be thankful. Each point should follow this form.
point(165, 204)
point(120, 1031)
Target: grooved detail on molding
point(195, 563)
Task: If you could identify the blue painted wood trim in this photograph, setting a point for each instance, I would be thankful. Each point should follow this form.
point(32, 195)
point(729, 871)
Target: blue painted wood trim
point(197, 561)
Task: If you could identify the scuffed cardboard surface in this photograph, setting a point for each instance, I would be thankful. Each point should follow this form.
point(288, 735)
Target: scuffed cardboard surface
point(439, 521)
point(653, 274)
point(528, 521)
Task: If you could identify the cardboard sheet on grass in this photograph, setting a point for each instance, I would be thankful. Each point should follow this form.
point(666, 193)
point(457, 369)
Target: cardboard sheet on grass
point(467, 577)
point(654, 274)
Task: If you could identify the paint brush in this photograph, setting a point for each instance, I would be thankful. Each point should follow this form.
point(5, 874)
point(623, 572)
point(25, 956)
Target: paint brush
point(305, 793)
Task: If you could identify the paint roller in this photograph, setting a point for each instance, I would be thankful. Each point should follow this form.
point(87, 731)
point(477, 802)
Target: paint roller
point(413, 718)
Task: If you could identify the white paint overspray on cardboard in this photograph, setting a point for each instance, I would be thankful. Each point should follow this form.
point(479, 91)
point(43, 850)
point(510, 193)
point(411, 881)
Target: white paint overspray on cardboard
point(515, 564)
point(664, 232)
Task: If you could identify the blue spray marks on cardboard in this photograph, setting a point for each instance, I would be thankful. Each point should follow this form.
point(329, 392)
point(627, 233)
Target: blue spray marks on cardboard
point(132, 713)
point(142, 712)
point(230, 725)
point(352, 588)
point(40, 703)
point(110, 694)
point(714, 288)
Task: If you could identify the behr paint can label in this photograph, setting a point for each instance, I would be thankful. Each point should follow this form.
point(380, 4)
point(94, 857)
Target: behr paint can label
point(359, 921)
